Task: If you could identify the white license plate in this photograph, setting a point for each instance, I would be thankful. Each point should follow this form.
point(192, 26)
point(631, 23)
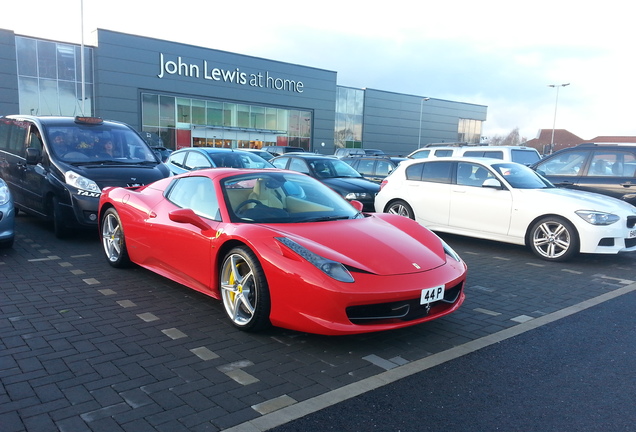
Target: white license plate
point(631, 234)
point(430, 295)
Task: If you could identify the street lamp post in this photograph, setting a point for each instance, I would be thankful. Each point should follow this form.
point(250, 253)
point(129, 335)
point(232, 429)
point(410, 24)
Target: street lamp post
point(556, 103)
point(419, 136)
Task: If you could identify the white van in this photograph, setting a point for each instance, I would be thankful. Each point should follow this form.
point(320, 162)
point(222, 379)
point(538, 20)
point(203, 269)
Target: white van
point(520, 154)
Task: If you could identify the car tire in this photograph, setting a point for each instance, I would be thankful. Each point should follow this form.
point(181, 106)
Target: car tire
point(401, 208)
point(553, 238)
point(244, 290)
point(114, 240)
point(60, 229)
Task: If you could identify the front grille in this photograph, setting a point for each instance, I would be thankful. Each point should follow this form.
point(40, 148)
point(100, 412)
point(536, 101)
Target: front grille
point(630, 242)
point(406, 310)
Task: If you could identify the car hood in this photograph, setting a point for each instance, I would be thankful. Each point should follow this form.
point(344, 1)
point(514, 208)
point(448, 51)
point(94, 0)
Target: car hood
point(379, 245)
point(122, 175)
point(579, 200)
point(351, 184)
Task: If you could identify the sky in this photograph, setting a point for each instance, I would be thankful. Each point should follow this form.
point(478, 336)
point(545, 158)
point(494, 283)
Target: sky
point(497, 53)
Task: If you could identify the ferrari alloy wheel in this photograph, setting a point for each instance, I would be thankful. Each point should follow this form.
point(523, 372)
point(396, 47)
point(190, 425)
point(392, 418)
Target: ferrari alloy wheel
point(554, 239)
point(401, 208)
point(113, 241)
point(244, 290)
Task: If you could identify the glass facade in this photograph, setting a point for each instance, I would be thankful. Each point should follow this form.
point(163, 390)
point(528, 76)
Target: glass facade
point(349, 110)
point(185, 122)
point(50, 78)
point(469, 131)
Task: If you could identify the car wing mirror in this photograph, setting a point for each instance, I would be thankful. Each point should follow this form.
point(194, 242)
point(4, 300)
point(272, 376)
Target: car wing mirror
point(186, 215)
point(491, 183)
point(33, 156)
point(356, 205)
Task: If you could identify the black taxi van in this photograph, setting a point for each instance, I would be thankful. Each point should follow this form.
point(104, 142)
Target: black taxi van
point(56, 167)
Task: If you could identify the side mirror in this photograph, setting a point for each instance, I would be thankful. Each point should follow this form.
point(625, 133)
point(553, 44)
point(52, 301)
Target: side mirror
point(491, 183)
point(188, 216)
point(356, 205)
point(33, 156)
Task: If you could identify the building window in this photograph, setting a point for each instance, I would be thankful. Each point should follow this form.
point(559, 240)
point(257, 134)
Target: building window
point(182, 122)
point(469, 131)
point(50, 78)
point(349, 111)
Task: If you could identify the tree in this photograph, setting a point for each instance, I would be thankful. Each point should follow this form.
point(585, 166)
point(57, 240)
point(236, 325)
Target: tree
point(512, 139)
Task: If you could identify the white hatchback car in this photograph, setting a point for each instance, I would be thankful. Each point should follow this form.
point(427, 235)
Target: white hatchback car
point(507, 202)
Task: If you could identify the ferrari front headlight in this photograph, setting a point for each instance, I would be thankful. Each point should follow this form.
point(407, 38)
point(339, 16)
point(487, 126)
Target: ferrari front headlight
point(329, 267)
point(597, 218)
point(80, 182)
point(450, 252)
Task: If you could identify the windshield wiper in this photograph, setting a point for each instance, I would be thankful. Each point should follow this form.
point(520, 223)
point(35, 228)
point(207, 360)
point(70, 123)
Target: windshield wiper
point(325, 218)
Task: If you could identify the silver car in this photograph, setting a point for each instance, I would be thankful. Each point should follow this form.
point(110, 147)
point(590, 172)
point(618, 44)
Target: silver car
point(7, 216)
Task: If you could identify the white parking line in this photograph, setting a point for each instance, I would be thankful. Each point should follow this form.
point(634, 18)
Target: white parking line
point(333, 397)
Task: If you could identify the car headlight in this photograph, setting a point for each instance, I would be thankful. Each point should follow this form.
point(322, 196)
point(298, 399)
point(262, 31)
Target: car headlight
point(329, 267)
point(450, 252)
point(80, 182)
point(597, 218)
point(5, 195)
point(357, 195)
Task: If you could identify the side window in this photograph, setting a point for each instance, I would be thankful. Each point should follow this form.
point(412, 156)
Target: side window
point(443, 153)
point(299, 165)
point(437, 172)
point(281, 162)
point(602, 164)
point(421, 154)
point(495, 154)
point(34, 140)
point(13, 136)
point(566, 164)
point(196, 193)
point(383, 168)
point(365, 167)
point(414, 172)
point(178, 159)
point(196, 160)
point(5, 133)
point(469, 174)
point(473, 153)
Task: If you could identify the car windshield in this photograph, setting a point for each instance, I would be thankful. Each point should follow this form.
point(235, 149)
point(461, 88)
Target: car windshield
point(521, 177)
point(239, 159)
point(332, 168)
point(77, 143)
point(275, 197)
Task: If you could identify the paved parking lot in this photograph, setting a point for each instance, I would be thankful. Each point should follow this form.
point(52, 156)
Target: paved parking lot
point(85, 347)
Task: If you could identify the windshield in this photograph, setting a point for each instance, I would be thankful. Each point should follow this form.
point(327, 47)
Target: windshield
point(239, 159)
point(521, 177)
point(78, 143)
point(276, 197)
point(331, 168)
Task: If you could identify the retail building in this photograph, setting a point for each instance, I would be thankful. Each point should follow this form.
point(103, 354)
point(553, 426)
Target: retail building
point(184, 95)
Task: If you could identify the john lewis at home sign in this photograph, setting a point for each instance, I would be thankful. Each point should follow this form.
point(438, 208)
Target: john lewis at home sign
point(234, 76)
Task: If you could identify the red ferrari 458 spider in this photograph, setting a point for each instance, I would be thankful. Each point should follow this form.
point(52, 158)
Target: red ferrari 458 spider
point(280, 248)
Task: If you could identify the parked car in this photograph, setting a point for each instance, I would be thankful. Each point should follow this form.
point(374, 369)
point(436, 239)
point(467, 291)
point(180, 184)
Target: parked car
point(245, 236)
point(520, 154)
point(193, 158)
point(7, 216)
point(333, 172)
point(56, 167)
point(162, 152)
point(508, 202)
point(262, 153)
point(279, 150)
point(347, 152)
point(374, 168)
point(608, 169)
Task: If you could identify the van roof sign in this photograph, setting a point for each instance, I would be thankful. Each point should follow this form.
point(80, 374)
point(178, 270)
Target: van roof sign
point(88, 120)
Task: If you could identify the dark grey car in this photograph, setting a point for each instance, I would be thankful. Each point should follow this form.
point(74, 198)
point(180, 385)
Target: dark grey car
point(608, 169)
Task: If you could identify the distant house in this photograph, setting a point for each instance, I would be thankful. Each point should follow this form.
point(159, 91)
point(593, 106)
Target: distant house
point(564, 139)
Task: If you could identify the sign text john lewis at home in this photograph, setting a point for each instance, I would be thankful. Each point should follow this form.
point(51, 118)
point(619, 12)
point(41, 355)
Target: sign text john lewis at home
point(234, 76)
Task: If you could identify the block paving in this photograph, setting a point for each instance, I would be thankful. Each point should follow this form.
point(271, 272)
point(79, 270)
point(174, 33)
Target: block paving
point(85, 347)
